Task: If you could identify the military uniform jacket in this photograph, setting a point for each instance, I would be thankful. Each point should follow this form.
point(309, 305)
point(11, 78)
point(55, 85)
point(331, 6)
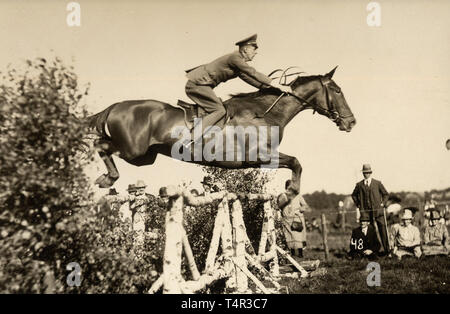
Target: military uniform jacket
point(227, 67)
point(376, 196)
point(360, 242)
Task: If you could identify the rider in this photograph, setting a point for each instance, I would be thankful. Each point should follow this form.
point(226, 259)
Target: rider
point(202, 79)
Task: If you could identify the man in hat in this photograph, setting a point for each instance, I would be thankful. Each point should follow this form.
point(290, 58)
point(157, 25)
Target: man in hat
point(138, 207)
point(370, 196)
point(209, 186)
point(364, 241)
point(204, 78)
point(114, 201)
point(435, 236)
point(405, 236)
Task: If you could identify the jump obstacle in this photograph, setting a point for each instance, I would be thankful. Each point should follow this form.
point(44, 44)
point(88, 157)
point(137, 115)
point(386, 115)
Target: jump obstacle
point(237, 250)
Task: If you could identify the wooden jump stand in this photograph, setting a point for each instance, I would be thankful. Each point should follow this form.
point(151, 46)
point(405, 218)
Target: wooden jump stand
point(231, 234)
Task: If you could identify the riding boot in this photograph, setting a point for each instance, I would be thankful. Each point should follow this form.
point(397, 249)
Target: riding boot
point(208, 121)
point(300, 253)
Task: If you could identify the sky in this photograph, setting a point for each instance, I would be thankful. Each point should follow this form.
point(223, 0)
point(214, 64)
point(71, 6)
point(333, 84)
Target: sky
point(395, 77)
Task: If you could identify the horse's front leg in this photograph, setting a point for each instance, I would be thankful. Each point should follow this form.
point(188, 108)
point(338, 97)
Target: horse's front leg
point(290, 162)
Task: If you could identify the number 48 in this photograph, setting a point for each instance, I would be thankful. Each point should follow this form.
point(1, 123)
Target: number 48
point(358, 244)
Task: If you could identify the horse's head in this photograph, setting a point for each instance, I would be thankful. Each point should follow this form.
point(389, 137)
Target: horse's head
point(325, 96)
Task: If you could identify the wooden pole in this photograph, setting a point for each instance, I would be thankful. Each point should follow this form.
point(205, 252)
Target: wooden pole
point(173, 248)
point(253, 262)
point(227, 244)
point(193, 286)
point(239, 239)
point(190, 257)
point(274, 267)
point(264, 232)
point(303, 272)
point(212, 252)
point(325, 235)
point(156, 285)
point(258, 283)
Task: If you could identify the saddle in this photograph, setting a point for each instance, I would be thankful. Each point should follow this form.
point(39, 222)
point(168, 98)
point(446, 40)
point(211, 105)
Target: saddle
point(194, 111)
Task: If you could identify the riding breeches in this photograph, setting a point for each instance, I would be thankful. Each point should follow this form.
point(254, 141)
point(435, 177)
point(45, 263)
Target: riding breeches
point(205, 97)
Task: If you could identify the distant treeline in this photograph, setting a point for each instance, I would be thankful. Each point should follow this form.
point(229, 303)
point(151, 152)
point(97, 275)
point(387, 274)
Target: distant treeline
point(324, 200)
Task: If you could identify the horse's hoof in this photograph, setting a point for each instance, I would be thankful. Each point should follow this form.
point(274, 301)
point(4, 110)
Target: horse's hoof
point(104, 185)
point(107, 182)
point(101, 179)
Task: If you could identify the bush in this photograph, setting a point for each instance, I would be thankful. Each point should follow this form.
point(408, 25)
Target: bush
point(47, 215)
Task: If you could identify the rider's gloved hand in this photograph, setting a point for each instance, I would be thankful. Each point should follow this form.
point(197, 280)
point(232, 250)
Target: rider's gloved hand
point(286, 89)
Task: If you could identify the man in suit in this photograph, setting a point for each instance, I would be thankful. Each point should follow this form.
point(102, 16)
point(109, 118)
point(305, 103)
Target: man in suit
point(204, 78)
point(370, 196)
point(364, 241)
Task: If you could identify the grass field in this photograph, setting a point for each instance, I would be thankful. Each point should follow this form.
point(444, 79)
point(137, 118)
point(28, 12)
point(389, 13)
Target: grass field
point(426, 275)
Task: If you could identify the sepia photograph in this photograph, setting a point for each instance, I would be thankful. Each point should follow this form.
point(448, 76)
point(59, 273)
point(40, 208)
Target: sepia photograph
point(224, 151)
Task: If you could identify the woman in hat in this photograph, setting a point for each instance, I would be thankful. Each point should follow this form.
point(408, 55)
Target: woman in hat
point(435, 236)
point(406, 236)
point(292, 206)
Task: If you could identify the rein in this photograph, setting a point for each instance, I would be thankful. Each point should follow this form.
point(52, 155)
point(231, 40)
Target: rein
point(331, 111)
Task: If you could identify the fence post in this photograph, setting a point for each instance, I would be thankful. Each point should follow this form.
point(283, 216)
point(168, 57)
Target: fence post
point(274, 268)
point(325, 235)
point(343, 220)
point(173, 247)
point(239, 238)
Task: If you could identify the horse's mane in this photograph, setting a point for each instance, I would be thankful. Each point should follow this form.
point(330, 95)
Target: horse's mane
point(255, 102)
point(259, 93)
point(299, 80)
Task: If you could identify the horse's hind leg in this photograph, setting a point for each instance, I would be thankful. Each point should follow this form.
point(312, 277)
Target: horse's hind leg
point(105, 149)
point(290, 162)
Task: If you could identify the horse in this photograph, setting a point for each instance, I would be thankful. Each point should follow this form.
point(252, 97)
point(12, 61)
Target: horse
point(138, 130)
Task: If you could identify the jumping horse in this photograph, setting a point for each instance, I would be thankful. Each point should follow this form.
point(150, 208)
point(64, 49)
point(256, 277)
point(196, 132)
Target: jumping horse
point(138, 130)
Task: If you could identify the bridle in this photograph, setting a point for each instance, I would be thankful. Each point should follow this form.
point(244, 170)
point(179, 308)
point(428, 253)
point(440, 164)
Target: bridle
point(331, 111)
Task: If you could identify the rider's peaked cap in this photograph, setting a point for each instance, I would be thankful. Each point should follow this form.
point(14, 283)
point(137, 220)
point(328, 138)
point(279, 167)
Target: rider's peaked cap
point(248, 41)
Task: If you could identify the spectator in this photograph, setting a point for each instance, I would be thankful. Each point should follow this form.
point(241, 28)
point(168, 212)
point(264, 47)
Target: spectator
point(138, 207)
point(430, 204)
point(209, 186)
point(435, 236)
point(393, 208)
point(340, 215)
point(292, 206)
point(370, 196)
point(113, 200)
point(364, 241)
point(405, 236)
